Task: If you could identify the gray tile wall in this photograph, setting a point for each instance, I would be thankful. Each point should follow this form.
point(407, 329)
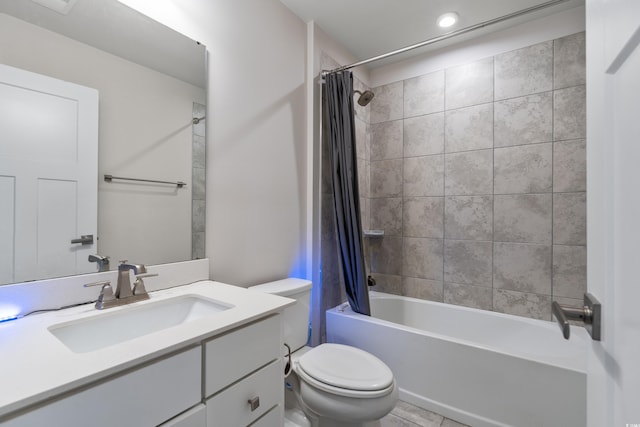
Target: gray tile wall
point(198, 162)
point(477, 174)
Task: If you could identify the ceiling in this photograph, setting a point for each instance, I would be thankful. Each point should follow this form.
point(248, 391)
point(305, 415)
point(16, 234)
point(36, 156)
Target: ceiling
point(113, 27)
point(368, 28)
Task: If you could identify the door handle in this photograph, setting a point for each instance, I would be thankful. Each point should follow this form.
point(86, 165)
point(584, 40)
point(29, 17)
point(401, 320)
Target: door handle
point(86, 239)
point(590, 314)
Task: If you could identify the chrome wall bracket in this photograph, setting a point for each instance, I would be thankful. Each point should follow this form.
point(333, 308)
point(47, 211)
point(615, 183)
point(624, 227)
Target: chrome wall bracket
point(590, 314)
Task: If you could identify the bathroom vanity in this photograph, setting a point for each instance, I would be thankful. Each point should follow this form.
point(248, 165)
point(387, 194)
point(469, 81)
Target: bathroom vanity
point(204, 354)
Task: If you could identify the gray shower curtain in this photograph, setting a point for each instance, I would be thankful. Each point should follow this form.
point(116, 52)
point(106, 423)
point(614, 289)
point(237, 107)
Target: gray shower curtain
point(340, 130)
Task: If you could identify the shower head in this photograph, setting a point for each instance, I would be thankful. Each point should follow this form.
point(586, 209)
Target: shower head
point(365, 97)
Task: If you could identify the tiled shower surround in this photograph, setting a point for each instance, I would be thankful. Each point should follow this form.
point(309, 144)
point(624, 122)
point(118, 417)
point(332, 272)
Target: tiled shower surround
point(478, 178)
point(477, 175)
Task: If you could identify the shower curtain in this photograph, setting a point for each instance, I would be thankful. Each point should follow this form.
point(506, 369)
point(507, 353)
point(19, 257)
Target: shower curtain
point(340, 129)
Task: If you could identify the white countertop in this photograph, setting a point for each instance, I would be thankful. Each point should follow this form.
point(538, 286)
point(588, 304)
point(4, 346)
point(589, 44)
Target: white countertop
point(35, 365)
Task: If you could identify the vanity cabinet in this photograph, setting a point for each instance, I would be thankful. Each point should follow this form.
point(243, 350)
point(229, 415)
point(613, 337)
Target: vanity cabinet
point(231, 380)
point(244, 377)
point(147, 396)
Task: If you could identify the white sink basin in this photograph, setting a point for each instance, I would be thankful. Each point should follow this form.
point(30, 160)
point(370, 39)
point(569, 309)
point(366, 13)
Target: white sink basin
point(109, 328)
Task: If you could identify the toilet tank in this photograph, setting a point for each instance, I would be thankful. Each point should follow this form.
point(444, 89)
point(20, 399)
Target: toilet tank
point(296, 316)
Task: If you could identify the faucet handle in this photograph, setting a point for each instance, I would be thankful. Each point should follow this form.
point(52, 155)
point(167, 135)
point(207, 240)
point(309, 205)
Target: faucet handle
point(145, 275)
point(106, 293)
point(138, 285)
point(102, 283)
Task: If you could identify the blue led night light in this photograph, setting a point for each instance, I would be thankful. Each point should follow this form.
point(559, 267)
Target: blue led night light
point(8, 318)
point(9, 311)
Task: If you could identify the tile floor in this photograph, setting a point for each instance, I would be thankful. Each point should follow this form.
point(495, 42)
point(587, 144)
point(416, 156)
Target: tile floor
point(407, 415)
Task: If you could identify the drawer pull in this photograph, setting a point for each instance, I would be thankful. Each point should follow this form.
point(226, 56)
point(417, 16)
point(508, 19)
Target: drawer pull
point(254, 403)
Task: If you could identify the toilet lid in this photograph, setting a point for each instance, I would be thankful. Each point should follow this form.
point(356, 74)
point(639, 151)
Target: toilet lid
point(346, 367)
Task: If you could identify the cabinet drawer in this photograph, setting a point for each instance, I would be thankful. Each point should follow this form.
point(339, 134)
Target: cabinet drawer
point(194, 417)
point(145, 397)
point(231, 407)
point(274, 418)
point(237, 354)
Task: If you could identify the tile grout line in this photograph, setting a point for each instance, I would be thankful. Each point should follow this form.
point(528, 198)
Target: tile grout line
point(444, 176)
point(402, 290)
point(553, 150)
point(493, 196)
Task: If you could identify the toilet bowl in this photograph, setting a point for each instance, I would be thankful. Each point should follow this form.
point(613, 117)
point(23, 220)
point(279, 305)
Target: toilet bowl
point(333, 384)
point(344, 384)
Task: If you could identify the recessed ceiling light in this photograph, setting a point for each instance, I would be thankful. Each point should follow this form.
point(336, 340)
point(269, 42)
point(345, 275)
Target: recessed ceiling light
point(447, 19)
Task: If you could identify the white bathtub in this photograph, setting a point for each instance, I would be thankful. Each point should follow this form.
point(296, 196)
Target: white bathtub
point(477, 367)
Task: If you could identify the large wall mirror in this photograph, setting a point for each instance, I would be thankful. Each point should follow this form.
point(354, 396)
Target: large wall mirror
point(96, 88)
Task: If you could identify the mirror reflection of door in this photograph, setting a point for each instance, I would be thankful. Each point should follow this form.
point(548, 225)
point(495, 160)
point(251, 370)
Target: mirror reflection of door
point(48, 175)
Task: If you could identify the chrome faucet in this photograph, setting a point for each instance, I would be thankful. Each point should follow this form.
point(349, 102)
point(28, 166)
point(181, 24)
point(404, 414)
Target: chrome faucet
point(102, 261)
point(123, 288)
point(124, 294)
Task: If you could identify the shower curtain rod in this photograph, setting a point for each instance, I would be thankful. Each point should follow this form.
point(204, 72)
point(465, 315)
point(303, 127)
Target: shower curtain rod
point(446, 36)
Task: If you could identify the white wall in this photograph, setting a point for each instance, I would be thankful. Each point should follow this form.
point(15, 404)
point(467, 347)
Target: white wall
point(324, 42)
point(145, 131)
point(256, 133)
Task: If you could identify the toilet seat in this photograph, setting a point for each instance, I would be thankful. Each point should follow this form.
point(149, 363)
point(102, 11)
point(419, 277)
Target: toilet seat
point(345, 370)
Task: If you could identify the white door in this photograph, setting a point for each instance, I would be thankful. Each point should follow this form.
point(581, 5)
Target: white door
point(48, 175)
point(613, 211)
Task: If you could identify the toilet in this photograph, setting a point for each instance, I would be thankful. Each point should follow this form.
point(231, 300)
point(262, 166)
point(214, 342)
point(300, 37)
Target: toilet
point(333, 384)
